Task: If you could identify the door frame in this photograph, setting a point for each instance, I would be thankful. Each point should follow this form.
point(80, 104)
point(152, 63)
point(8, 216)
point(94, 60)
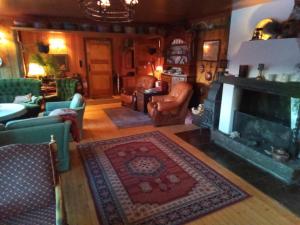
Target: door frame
point(85, 40)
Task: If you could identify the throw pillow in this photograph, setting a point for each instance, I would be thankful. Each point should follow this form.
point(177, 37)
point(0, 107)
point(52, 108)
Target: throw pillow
point(34, 99)
point(22, 98)
point(62, 112)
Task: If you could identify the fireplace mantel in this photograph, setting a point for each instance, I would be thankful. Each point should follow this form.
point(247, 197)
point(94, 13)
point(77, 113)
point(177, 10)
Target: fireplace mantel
point(279, 56)
point(289, 89)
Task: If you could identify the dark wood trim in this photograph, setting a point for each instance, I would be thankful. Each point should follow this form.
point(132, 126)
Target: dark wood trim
point(289, 89)
point(94, 33)
point(19, 53)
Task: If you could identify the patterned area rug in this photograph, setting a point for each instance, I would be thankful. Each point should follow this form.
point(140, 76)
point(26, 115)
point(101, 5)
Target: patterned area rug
point(124, 117)
point(147, 179)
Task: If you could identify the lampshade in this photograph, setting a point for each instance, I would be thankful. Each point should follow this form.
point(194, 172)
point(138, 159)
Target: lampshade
point(36, 70)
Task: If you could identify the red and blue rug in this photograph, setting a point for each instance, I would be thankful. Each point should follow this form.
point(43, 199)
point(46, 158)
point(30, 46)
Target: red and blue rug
point(124, 117)
point(147, 179)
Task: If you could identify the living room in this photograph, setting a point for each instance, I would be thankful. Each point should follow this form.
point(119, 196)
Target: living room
point(150, 112)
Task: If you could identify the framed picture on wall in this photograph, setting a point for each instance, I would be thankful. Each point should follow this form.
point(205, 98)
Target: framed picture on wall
point(211, 50)
point(62, 61)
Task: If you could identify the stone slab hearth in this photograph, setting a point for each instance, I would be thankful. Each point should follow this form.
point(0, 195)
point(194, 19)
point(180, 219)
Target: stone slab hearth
point(288, 172)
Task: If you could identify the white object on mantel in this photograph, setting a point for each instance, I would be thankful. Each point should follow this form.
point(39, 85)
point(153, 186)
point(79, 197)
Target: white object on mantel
point(280, 56)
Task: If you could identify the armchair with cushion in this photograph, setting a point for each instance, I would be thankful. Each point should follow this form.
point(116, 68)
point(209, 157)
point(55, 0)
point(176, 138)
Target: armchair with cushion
point(11, 88)
point(38, 130)
point(65, 89)
point(77, 104)
point(172, 108)
point(30, 191)
point(129, 96)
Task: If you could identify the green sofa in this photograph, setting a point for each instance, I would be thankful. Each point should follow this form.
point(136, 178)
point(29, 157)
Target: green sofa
point(10, 88)
point(77, 103)
point(38, 130)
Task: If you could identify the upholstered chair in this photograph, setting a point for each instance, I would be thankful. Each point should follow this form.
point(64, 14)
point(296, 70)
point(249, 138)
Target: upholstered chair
point(172, 108)
point(30, 192)
point(38, 130)
point(128, 96)
point(11, 88)
point(77, 104)
point(65, 89)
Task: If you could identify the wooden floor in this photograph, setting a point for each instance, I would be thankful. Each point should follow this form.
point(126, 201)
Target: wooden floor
point(256, 210)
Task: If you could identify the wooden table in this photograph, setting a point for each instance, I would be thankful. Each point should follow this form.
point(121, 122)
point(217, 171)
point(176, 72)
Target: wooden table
point(10, 111)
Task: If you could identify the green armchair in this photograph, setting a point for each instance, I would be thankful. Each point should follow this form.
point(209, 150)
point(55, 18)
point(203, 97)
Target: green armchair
point(77, 103)
point(10, 88)
point(65, 89)
point(38, 130)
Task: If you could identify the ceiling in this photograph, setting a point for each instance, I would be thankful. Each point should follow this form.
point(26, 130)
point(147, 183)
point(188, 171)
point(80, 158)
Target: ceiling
point(147, 11)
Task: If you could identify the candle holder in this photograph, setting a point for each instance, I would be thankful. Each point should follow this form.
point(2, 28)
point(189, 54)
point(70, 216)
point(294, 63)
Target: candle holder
point(260, 68)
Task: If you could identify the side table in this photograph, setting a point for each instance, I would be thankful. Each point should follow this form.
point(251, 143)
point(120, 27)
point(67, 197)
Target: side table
point(144, 97)
point(10, 111)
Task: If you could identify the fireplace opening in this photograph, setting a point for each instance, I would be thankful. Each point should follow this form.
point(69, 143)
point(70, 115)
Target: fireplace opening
point(263, 120)
point(260, 133)
point(266, 106)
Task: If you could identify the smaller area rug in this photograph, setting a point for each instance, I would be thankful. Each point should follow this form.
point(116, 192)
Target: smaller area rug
point(147, 179)
point(124, 117)
point(101, 101)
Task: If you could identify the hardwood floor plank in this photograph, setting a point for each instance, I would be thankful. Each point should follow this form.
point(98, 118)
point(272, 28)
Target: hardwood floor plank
point(259, 209)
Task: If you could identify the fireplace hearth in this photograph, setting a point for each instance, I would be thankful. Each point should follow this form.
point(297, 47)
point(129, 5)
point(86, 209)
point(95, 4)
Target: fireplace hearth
point(262, 133)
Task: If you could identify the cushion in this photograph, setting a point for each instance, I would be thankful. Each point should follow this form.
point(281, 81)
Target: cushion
point(17, 124)
point(31, 106)
point(77, 101)
point(34, 99)
point(22, 98)
point(61, 112)
point(26, 179)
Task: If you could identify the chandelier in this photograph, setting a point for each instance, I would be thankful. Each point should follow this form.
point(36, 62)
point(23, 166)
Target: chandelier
point(109, 10)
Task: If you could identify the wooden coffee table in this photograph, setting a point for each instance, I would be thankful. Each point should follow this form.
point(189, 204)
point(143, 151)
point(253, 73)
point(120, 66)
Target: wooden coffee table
point(10, 111)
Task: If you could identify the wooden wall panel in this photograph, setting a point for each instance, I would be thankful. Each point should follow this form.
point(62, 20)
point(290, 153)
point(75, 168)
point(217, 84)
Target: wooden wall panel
point(219, 31)
point(75, 49)
point(75, 42)
point(143, 60)
point(8, 53)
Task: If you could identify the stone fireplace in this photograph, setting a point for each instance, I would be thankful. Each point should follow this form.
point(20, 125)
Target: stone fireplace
point(261, 110)
point(262, 114)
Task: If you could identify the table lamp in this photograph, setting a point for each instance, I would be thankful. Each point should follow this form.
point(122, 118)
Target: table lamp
point(36, 70)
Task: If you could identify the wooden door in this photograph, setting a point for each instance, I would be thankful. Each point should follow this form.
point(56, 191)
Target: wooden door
point(99, 62)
